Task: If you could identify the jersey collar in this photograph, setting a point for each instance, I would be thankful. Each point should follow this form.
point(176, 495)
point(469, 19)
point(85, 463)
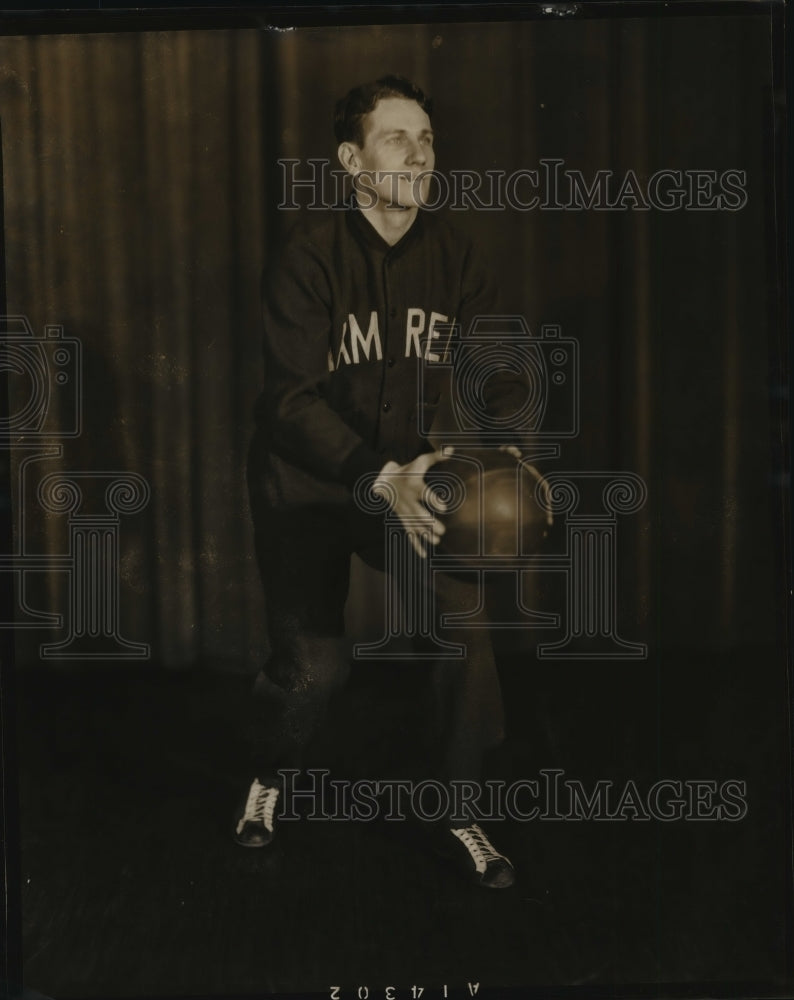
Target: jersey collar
point(368, 235)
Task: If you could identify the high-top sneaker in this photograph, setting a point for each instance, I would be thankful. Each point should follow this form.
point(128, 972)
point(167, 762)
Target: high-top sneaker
point(255, 822)
point(471, 850)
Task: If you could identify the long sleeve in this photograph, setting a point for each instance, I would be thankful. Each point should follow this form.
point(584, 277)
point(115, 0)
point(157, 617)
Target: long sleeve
point(505, 391)
point(301, 426)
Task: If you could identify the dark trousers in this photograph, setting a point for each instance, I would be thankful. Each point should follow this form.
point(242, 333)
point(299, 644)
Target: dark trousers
point(304, 557)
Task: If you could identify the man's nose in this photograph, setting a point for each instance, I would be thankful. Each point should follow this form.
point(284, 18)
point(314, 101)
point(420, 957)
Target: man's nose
point(416, 153)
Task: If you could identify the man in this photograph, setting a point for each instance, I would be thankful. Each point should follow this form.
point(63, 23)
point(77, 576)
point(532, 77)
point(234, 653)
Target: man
point(353, 306)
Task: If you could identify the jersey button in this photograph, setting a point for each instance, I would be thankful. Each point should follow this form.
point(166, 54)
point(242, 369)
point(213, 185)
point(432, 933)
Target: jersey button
point(393, 313)
point(386, 406)
point(390, 362)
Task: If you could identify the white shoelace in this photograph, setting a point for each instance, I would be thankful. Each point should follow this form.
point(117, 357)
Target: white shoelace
point(478, 846)
point(260, 806)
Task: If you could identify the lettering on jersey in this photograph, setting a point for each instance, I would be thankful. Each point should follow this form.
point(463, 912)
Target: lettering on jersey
point(357, 347)
point(414, 325)
point(360, 345)
point(372, 337)
point(415, 328)
point(433, 334)
point(343, 355)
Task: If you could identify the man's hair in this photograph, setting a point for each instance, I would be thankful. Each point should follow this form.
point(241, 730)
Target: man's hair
point(351, 109)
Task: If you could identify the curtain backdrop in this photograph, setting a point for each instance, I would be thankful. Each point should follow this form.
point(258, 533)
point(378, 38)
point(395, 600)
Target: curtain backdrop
point(141, 190)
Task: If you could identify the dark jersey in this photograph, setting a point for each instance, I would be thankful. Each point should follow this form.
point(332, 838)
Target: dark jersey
point(350, 326)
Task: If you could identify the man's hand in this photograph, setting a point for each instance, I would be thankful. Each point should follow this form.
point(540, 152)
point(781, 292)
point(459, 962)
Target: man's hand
point(405, 488)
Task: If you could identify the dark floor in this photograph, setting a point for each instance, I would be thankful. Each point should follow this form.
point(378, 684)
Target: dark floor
point(132, 886)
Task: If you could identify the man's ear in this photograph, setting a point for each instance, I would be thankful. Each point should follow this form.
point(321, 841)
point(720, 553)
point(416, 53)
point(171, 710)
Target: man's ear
point(348, 157)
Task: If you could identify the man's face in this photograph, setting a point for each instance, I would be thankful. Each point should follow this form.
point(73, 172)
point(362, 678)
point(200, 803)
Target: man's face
point(397, 156)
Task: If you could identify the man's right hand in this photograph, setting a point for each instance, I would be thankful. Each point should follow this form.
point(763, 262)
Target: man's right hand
point(412, 500)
